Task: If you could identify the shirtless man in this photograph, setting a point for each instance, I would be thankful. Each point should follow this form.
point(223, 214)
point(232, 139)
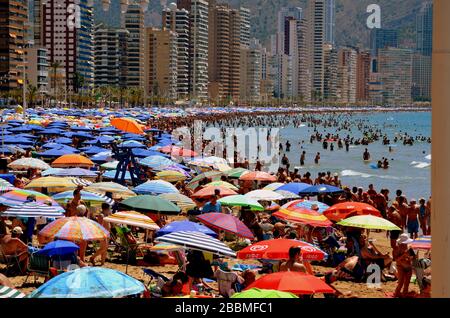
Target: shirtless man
point(12, 245)
point(302, 158)
point(317, 158)
point(395, 217)
point(293, 264)
point(403, 210)
point(413, 219)
point(423, 216)
point(103, 249)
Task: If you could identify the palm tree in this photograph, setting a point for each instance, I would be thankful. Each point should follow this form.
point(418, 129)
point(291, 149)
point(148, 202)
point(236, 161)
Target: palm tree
point(32, 92)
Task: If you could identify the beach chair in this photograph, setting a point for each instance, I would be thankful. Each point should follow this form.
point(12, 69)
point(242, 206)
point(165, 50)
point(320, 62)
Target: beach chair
point(129, 250)
point(11, 261)
point(420, 265)
point(38, 266)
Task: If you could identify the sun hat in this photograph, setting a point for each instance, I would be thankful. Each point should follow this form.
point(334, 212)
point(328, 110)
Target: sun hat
point(404, 239)
point(17, 230)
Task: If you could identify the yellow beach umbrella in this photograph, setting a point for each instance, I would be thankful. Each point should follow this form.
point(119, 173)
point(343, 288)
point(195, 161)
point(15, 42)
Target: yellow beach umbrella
point(222, 184)
point(118, 190)
point(171, 176)
point(52, 183)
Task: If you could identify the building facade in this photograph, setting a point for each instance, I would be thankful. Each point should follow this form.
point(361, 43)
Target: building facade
point(363, 76)
point(317, 41)
point(37, 68)
point(382, 38)
point(347, 65)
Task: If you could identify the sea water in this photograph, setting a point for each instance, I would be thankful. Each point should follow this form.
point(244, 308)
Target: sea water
point(409, 166)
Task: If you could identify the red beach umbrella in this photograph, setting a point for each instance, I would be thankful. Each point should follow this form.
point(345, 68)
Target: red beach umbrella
point(209, 191)
point(226, 222)
point(345, 210)
point(178, 151)
point(258, 176)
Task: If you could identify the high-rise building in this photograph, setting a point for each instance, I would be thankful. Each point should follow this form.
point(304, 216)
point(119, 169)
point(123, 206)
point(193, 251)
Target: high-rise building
point(382, 38)
point(347, 74)
point(69, 41)
point(198, 46)
point(330, 85)
point(245, 25)
point(363, 76)
point(330, 21)
point(266, 87)
point(317, 39)
point(424, 29)
point(37, 68)
point(251, 71)
point(395, 68)
point(177, 20)
point(303, 89)
point(161, 58)
point(13, 29)
point(224, 53)
point(421, 73)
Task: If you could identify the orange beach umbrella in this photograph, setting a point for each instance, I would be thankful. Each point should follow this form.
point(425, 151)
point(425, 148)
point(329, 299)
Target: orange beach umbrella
point(128, 125)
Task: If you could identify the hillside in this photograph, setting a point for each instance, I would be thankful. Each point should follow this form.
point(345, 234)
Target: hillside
point(351, 17)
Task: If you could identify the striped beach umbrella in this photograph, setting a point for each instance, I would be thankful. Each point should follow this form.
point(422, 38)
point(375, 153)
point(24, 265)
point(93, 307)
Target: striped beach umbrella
point(304, 216)
point(156, 187)
point(86, 196)
point(51, 182)
point(110, 165)
point(27, 163)
point(171, 176)
point(241, 201)
point(156, 162)
point(133, 218)
point(4, 189)
point(222, 184)
point(174, 168)
point(227, 223)
point(294, 187)
point(197, 241)
point(4, 183)
point(307, 204)
point(288, 195)
point(74, 229)
point(273, 186)
point(264, 195)
point(422, 243)
point(75, 172)
point(118, 190)
point(183, 202)
point(33, 209)
point(8, 292)
point(236, 172)
point(19, 196)
point(80, 182)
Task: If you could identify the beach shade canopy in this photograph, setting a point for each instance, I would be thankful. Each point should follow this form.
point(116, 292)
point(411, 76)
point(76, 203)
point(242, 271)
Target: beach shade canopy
point(236, 172)
point(226, 222)
point(150, 203)
point(263, 293)
point(51, 183)
point(422, 243)
point(8, 292)
point(72, 161)
point(110, 165)
point(222, 167)
point(128, 125)
point(74, 229)
point(241, 201)
point(117, 190)
point(89, 282)
point(198, 241)
point(211, 175)
point(182, 201)
point(132, 144)
point(171, 176)
point(176, 168)
point(5, 183)
point(321, 189)
point(92, 150)
point(143, 153)
point(19, 196)
point(102, 140)
point(303, 216)
point(4, 189)
point(278, 249)
point(27, 163)
point(111, 175)
point(307, 204)
point(75, 172)
point(288, 195)
point(258, 176)
point(273, 186)
point(264, 195)
point(59, 248)
point(210, 191)
point(344, 210)
point(156, 187)
point(294, 187)
point(33, 209)
point(86, 196)
point(132, 218)
point(185, 226)
point(369, 222)
point(293, 282)
point(178, 151)
point(156, 162)
point(222, 184)
point(55, 152)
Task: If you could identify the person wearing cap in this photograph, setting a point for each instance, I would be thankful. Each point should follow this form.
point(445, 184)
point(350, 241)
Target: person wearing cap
point(12, 245)
point(413, 219)
point(403, 256)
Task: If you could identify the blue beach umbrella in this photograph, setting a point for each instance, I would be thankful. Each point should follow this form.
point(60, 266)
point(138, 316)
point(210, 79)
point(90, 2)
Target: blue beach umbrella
point(59, 248)
point(75, 172)
point(102, 140)
point(308, 204)
point(56, 152)
point(185, 226)
point(156, 161)
point(143, 153)
point(111, 174)
point(294, 187)
point(102, 157)
point(89, 282)
point(321, 189)
point(62, 140)
point(156, 187)
point(132, 144)
point(92, 150)
point(51, 131)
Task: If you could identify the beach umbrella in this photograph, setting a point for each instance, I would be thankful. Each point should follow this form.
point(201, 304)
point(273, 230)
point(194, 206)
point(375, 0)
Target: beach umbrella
point(294, 187)
point(369, 222)
point(185, 226)
point(278, 249)
point(132, 144)
point(8, 292)
point(111, 174)
point(255, 293)
point(79, 182)
point(110, 165)
point(127, 125)
point(222, 184)
point(102, 157)
point(156, 161)
point(59, 247)
point(304, 216)
point(293, 282)
point(422, 243)
point(178, 151)
point(75, 172)
point(210, 191)
point(86, 196)
point(307, 204)
point(242, 201)
point(144, 153)
point(19, 196)
point(212, 175)
point(118, 190)
point(156, 187)
point(273, 186)
point(132, 218)
point(27, 163)
point(171, 176)
point(62, 140)
point(74, 229)
point(344, 210)
point(102, 140)
point(226, 222)
point(264, 195)
point(212, 160)
point(51, 183)
point(51, 172)
point(173, 168)
point(258, 176)
point(165, 247)
point(89, 282)
point(55, 152)
point(149, 203)
point(4, 189)
point(288, 195)
point(5, 183)
point(222, 167)
point(34, 209)
point(183, 202)
point(198, 241)
point(93, 150)
point(321, 189)
point(71, 161)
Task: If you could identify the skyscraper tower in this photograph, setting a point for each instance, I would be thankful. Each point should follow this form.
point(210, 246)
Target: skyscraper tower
point(317, 36)
point(424, 29)
point(330, 21)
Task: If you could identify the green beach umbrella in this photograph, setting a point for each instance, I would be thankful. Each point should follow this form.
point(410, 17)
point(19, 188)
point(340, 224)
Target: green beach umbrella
point(241, 200)
point(151, 203)
point(214, 175)
point(369, 222)
point(236, 172)
point(263, 293)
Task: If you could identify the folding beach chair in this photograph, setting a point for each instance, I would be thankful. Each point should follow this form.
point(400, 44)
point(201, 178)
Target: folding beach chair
point(38, 266)
point(11, 261)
